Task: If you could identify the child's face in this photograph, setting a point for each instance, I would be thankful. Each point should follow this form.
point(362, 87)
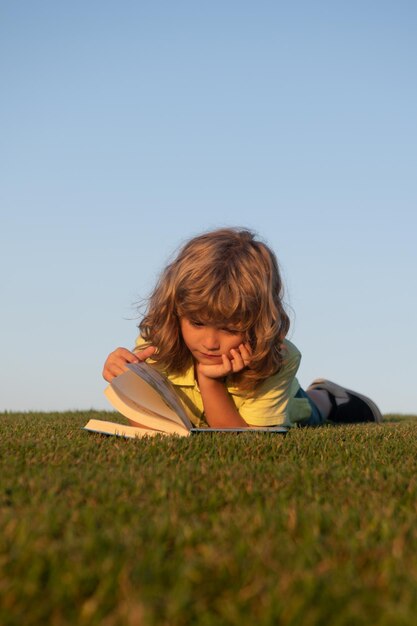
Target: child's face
point(208, 343)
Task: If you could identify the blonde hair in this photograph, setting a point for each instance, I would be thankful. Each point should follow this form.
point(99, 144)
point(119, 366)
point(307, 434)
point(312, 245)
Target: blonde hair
point(224, 277)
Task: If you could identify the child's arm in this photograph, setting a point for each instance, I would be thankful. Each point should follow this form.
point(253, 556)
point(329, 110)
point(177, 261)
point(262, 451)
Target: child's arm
point(219, 408)
point(116, 362)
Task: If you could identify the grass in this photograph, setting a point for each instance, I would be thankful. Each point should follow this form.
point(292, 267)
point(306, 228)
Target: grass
point(315, 528)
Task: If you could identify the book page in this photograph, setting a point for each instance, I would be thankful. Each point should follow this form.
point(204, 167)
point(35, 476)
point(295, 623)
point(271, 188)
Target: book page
point(111, 428)
point(130, 394)
point(141, 417)
point(161, 384)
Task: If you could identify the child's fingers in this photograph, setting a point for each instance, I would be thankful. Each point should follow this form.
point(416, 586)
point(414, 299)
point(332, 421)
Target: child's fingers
point(115, 369)
point(227, 364)
point(116, 363)
point(131, 357)
point(123, 355)
point(238, 362)
point(246, 353)
point(112, 369)
point(247, 347)
point(144, 354)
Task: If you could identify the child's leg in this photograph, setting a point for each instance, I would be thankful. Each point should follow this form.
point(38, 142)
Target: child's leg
point(317, 417)
point(346, 406)
point(321, 399)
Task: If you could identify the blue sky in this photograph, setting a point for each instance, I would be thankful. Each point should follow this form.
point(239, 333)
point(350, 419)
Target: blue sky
point(128, 127)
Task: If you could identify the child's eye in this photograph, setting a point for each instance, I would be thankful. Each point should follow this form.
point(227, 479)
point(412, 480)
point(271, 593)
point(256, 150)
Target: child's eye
point(196, 323)
point(231, 331)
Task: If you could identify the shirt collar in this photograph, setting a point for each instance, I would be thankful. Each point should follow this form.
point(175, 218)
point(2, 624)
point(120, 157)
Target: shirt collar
point(184, 380)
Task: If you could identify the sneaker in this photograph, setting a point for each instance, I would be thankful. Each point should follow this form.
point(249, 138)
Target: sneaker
point(347, 406)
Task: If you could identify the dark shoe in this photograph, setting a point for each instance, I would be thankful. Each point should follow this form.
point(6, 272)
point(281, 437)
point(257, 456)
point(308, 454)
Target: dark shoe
point(348, 406)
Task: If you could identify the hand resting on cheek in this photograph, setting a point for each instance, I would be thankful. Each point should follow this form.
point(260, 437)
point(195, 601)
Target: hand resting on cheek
point(237, 360)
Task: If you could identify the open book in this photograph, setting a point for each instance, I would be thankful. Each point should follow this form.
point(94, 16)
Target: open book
point(150, 403)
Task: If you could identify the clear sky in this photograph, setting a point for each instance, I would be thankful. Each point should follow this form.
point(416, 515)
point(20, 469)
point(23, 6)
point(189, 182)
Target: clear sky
point(129, 126)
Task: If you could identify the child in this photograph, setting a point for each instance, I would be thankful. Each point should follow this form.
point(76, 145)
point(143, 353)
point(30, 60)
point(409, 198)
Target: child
point(216, 326)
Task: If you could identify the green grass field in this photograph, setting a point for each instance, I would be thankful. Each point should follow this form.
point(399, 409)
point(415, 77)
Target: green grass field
point(318, 527)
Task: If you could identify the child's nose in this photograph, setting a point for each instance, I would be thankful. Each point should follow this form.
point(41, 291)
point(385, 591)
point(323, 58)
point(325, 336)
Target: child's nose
point(211, 340)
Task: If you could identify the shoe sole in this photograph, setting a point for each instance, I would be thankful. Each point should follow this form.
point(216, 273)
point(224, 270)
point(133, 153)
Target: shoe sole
point(335, 390)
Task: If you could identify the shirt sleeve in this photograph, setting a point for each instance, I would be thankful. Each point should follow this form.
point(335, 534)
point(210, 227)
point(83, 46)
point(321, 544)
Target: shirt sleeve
point(268, 407)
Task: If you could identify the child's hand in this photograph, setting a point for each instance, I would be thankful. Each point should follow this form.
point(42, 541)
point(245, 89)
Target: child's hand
point(239, 359)
point(116, 362)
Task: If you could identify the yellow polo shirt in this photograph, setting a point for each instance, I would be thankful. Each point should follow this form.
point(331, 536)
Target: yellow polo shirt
point(272, 404)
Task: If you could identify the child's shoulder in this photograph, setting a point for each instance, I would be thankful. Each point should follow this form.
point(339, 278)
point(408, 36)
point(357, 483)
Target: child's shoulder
point(286, 373)
point(141, 343)
point(291, 351)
